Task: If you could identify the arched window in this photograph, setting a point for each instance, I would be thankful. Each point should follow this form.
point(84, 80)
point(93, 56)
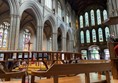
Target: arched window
point(67, 18)
point(107, 33)
point(84, 54)
point(59, 9)
point(87, 36)
point(26, 39)
point(105, 16)
point(92, 17)
point(4, 34)
point(81, 21)
point(100, 33)
point(98, 17)
point(94, 35)
point(48, 3)
point(86, 19)
point(82, 36)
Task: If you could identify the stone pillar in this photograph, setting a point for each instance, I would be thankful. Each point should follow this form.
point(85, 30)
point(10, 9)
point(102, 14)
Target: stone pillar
point(64, 44)
point(71, 45)
point(39, 38)
point(54, 41)
point(14, 32)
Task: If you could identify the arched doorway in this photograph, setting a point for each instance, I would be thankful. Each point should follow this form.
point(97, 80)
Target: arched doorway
point(47, 36)
point(59, 39)
point(94, 52)
point(27, 39)
point(4, 24)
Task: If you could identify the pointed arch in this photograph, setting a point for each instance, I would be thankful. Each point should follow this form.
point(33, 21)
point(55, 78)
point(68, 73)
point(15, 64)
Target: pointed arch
point(98, 16)
point(107, 33)
point(52, 21)
point(92, 17)
point(88, 36)
point(81, 21)
point(86, 19)
point(94, 35)
point(100, 34)
point(35, 8)
point(105, 15)
point(82, 37)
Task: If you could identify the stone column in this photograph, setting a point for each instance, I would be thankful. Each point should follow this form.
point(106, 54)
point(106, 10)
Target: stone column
point(71, 45)
point(64, 44)
point(39, 38)
point(54, 41)
point(14, 32)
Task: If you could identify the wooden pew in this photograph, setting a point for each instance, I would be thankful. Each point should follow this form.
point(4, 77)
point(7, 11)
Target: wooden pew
point(66, 69)
point(8, 75)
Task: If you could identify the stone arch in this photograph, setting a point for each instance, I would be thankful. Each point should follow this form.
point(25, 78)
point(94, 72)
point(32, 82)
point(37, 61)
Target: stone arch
point(62, 29)
point(51, 19)
point(35, 8)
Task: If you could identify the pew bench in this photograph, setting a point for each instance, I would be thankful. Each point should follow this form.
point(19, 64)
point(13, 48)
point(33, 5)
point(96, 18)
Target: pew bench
point(66, 69)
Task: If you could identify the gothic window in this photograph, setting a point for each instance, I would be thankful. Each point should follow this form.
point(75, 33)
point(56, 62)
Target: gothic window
point(86, 19)
point(67, 18)
point(98, 17)
point(59, 9)
point(48, 3)
point(100, 35)
point(87, 36)
point(26, 39)
point(4, 34)
point(105, 16)
point(107, 33)
point(81, 21)
point(82, 36)
point(92, 17)
point(94, 35)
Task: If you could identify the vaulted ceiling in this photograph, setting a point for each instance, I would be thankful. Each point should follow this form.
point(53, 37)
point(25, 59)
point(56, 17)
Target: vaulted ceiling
point(80, 5)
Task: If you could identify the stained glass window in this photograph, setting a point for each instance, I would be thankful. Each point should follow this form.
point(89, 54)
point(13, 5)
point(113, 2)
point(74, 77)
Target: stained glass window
point(82, 36)
point(86, 19)
point(26, 39)
point(59, 9)
point(100, 35)
point(98, 17)
point(105, 16)
point(107, 33)
point(87, 36)
point(4, 34)
point(92, 17)
point(81, 21)
point(94, 35)
point(48, 3)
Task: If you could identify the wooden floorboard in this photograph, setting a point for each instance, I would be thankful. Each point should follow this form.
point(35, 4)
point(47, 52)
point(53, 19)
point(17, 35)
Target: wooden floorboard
point(75, 79)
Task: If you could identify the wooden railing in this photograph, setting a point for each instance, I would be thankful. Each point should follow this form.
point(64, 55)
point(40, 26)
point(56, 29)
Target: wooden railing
point(48, 58)
point(65, 69)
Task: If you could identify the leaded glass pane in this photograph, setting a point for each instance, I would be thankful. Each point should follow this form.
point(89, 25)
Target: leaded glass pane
point(105, 16)
point(86, 19)
point(107, 33)
point(82, 36)
point(98, 17)
point(94, 35)
point(81, 21)
point(92, 17)
point(100, 35)
point(87, 36)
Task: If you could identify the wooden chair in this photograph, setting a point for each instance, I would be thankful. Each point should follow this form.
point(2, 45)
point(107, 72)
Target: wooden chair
point(8, 75)
point(66, 69)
